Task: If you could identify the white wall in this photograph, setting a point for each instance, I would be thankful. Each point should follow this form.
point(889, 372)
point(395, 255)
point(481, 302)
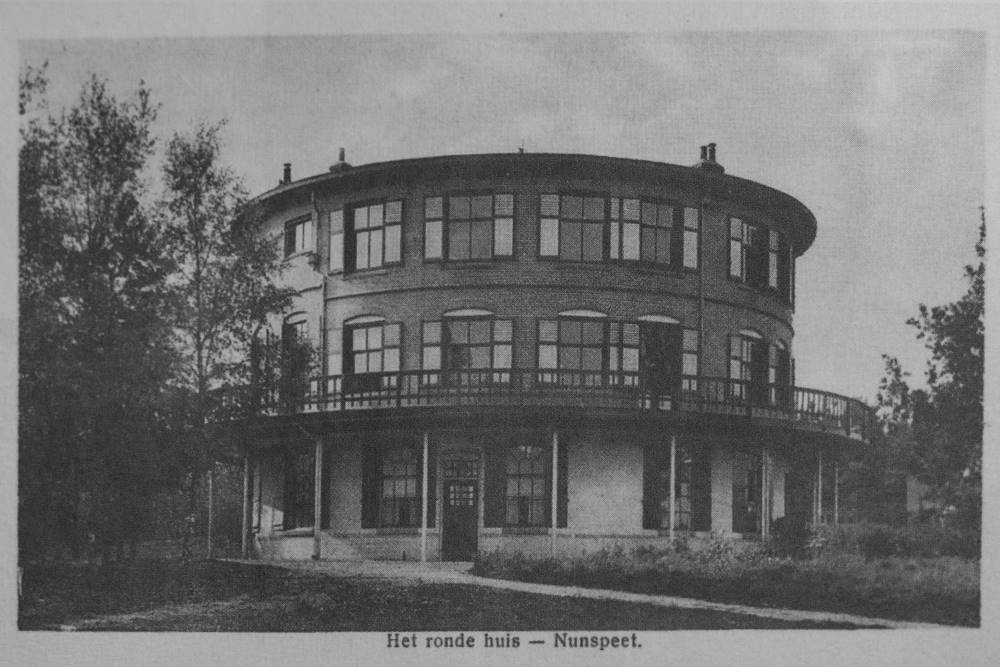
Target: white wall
point(605, 484)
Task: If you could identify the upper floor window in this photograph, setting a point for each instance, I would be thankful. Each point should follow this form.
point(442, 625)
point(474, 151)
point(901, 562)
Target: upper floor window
point(478, 227)
point(374, 235)
point(572, 350)
point(298, 236)
point(692, 238)
point(760, 257)
point(367, 348)
point(748, 367)
point(779, 374)
point(336, 241)
point(572, 227)
point(470, 347)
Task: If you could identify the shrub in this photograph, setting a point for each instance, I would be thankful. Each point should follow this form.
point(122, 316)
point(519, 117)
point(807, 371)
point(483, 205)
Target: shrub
point(789, 537)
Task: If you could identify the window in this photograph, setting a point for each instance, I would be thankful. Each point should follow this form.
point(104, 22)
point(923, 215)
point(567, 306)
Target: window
point(295, 360)
point(654, 232)
point(464, 345)
point(682, 491)
point(527, 492)
point(691, 238)
point(372, 348)
point(298, 236)
point(748, 359)
point(375, 232)
point(747, 492)
point(572, 227)
point(624, 226)
point(779, 375)
point(399, 505)
point(691, 504)
point(299, 487)
point(479, 227)
point(689, 360)
point(623, 357)
point(336, 241)
point(433, 227)
point(754, 254)
point(571, 351)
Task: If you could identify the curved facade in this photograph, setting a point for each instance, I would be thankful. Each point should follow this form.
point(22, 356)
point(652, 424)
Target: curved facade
point(540, 352)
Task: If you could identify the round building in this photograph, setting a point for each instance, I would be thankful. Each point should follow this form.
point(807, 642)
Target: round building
point(541, 353)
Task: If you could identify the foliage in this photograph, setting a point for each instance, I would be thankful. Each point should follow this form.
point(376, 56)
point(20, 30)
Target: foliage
point(942, 589)
point(94, 354)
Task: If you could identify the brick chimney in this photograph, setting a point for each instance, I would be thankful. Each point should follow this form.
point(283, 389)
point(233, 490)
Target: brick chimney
point(707, 161)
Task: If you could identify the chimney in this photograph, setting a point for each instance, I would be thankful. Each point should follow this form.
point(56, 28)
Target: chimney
point(704, 153)
point(341, 164)
point(707, 161)
point(287, 177)
point(711, 152)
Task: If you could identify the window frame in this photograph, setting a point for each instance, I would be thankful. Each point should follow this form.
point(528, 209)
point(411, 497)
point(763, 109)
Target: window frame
point(444, 372)
point(414, 501)
point(306, 241)
point(544, 477)
point(350, 264)
point(585, 376)
point(446, 223)
point(582, 220)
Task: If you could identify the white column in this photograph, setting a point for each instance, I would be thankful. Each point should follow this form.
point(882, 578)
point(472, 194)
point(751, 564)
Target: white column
point(211, 509)
point(764, 510)
point(819, 487)
point(423, 504)
point(555, 487)
point(317, 498)
point(247, 509)
point(673, 483)
point(836, 492)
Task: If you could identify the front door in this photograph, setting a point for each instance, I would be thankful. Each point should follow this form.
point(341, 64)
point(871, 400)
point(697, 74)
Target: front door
point(461, 520)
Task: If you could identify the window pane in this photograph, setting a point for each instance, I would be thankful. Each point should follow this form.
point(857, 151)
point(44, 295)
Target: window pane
point(375, 215)
point(458, 207)
point(663, 246)
point(735, 369)
point(550, 205)
point(736, 228)
point(479, 357)
point(593, 333)
point(375, 362)
point(630, 359)
point(392, 244)
point(615, 208)
point(614, 229)
point(337, 252)
point(481, 239)
point(502, 330)
point(648, 213)
point(569, 358)
point(735, 259)
point(572, 207)
point(630, 209)
point(503, 205)
point(458, 240)
point(690, 218)
point(432, 239)
point(630, 334)
point(648, 244)
point(591, 359)
point(375, 251)
point(548, 330)
point(359, 341)
point(593, 208)
point(394, 211)
point(432, 358)
point(690, 249)
point(391, 360)
point(773, 240)
point(549, 246)
point(570, 332)
point(665, 216)
point(569, 246)
point(458, 331)
point(690, 364)
point(336, 221)
point(479, 331)
point(374, 338)
point(501, 356)
point(630, 241)
point(503, 237)
point(361, 250)
point(482, 206)
point(360, 362)
point(361, 217)
point(593, 243)
point(432, 332)
point(690, 340)
point(433, 207)
point(772, 271)
point(390, 335)
point(547, 356)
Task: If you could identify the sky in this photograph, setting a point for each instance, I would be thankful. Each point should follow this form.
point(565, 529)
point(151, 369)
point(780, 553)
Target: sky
point(880, 133)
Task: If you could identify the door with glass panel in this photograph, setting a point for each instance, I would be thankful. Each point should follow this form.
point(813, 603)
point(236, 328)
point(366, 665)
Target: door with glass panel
point(459, 540)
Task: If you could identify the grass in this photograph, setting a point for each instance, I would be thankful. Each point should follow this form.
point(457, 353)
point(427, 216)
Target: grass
point(164, 595)
point(942, 590)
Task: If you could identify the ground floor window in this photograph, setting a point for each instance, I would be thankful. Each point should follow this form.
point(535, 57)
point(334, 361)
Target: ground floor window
point(518, 485)
point(691, 503)
point(747, 491)
point(392, 487)
point(527, 495)
point(299, 490)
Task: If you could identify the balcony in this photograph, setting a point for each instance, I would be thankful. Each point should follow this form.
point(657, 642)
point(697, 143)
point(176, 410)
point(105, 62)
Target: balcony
point(799, 408)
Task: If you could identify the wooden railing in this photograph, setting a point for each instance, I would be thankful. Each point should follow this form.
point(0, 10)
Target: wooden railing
point(804, 408)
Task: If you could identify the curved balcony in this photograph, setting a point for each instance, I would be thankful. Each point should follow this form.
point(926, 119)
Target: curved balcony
point(800, 408)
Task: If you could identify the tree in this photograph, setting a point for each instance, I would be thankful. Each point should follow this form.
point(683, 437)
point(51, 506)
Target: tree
point(226, 280)
point(94, 353)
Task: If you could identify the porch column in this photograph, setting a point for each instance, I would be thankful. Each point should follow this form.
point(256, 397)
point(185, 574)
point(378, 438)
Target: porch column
point(673, 483)
point(423, 504)
point(765, 496)
point(317, 499)
point(836, 492)
point(211, 510)
point(555, 487)
point(819, 489)
point(247, 508)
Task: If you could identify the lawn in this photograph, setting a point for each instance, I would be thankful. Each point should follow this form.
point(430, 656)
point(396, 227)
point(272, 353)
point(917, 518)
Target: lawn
point(942, 589)
point(159, 594)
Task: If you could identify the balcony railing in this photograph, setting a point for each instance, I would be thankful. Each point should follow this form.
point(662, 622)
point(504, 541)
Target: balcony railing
point(803, 408)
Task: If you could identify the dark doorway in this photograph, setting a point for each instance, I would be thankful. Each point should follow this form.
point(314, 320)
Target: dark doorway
point(660, 358)
point(461, 520)
point(758, 373)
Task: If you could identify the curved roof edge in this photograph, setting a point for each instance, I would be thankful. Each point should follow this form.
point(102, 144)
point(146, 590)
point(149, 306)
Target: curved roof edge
point(710, 184)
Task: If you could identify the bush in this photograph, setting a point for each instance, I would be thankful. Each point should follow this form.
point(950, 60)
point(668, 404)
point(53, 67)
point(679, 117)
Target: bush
point(789, 537)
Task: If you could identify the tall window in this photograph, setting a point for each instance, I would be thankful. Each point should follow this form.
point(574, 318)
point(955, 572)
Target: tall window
point(624, 229)
point(479, 227)
point(759, 257)
point(527, 493)
point(336, 241)
point(295, 360)
point(571, 351)
point(681, 505)
point(400, 499)
point(299, 487)
point(372, 348)
point(691, 238)
point(463, 345)
point(623, 356)
point(747, 492)
point(298, 236)
point(689, 360)
point(748, 359)
point(376, 232)
point(654, 234)
point(572, 227)
point(691, 503)
point(779, 374)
